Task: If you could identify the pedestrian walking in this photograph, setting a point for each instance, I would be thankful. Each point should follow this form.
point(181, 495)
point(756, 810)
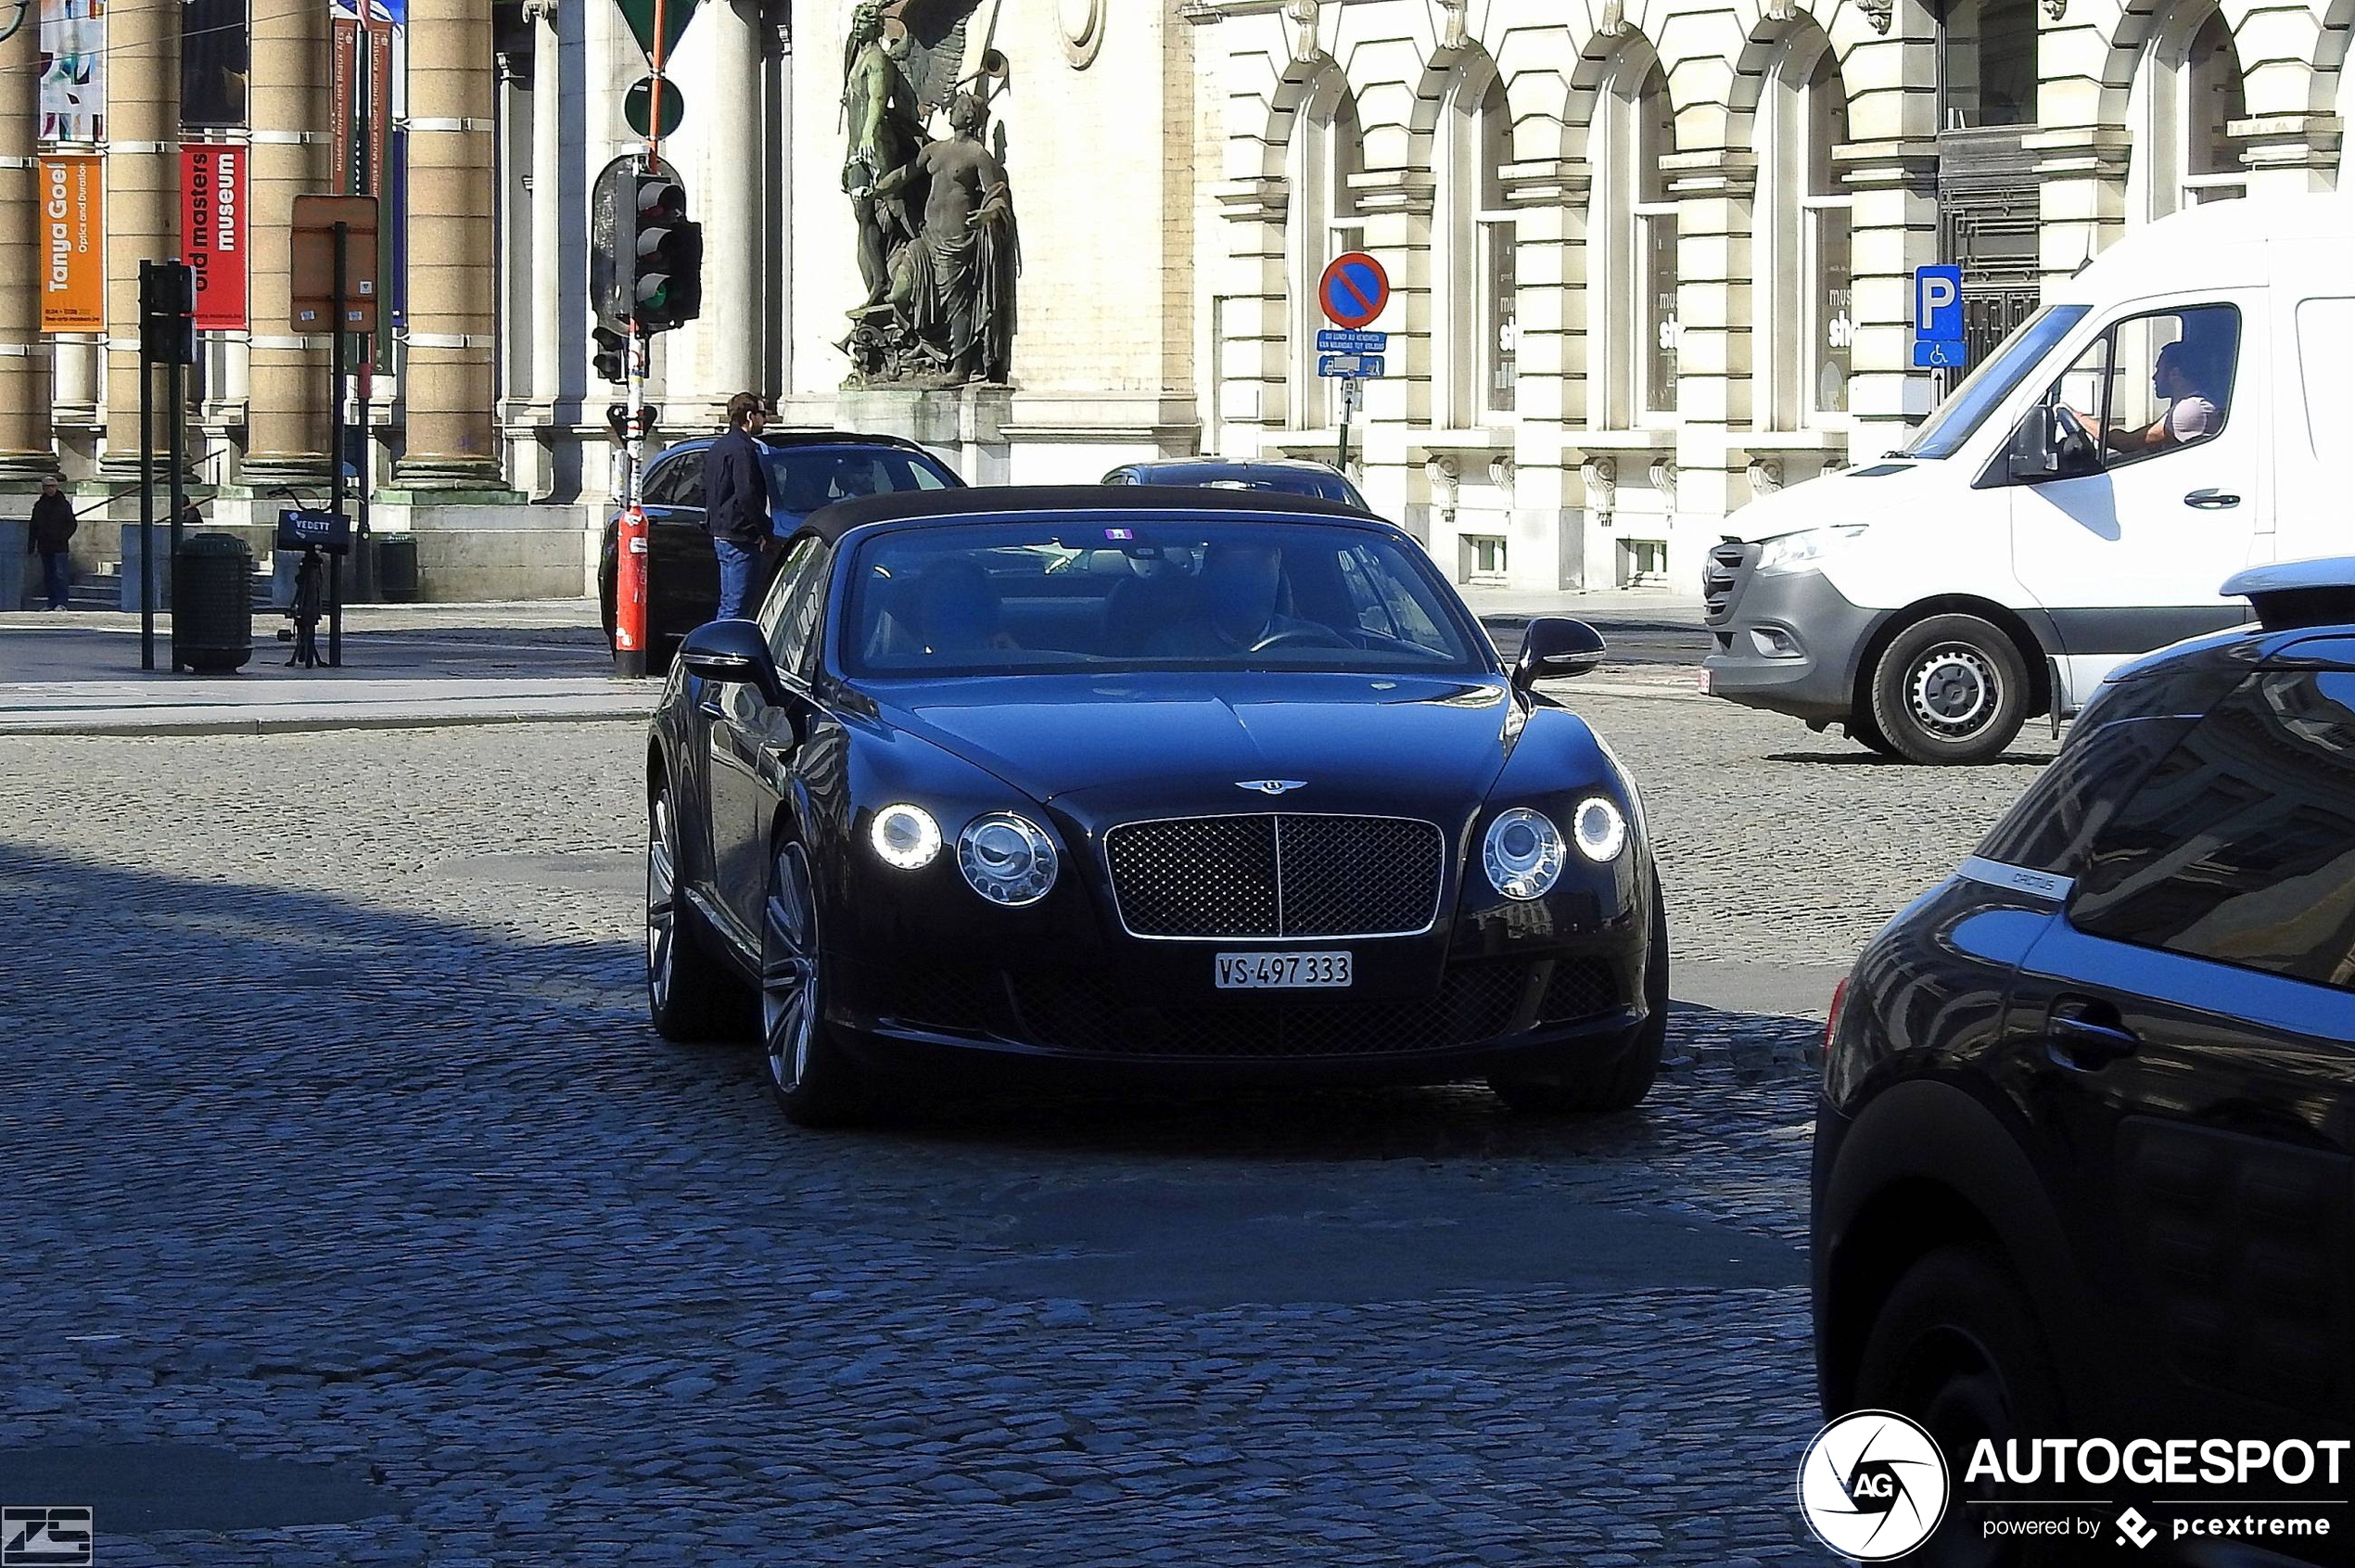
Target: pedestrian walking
point(735, 489)
point(52, 530)
point(310, 605)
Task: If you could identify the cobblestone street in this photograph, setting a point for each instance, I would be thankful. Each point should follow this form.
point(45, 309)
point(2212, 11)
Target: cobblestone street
point(357, 1216)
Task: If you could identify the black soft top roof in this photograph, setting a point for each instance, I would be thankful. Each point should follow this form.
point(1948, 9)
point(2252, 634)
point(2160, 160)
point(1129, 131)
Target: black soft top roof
point(1017, 502)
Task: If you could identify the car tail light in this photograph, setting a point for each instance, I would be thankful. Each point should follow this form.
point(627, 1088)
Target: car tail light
point(1831, 1025)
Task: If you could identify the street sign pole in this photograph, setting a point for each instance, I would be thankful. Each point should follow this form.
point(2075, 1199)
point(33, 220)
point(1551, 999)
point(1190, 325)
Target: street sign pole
point(1348, 406)
point(631, 542)
point(334, 484)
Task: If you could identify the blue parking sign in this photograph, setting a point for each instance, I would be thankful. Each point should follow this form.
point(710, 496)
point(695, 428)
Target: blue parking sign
point(1937, 304)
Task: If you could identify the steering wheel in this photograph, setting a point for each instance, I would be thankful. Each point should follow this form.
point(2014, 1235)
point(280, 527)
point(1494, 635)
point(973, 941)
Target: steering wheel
point(2070, 425)
point(1316, 636)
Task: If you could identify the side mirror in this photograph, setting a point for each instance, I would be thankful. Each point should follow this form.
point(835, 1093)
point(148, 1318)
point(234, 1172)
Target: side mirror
point(1555, 647)
point(732, 652)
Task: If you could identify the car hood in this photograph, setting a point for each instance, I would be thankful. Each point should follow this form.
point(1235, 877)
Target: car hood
point(1187, 742)
point(1893, 491)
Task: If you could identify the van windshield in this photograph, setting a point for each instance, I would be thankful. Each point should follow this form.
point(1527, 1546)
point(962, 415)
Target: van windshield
point(1967, 406)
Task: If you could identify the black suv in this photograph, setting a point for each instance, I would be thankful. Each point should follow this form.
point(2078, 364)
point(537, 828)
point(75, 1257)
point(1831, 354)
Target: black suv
point(806, 469)
point(2086, 1160)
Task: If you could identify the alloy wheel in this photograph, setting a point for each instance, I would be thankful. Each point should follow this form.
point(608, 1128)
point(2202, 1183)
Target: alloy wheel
point(662, 883)
point(789, 1002)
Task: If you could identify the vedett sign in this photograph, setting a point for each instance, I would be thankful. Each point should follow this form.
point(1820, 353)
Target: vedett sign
point(73, 244)
point(213, 232)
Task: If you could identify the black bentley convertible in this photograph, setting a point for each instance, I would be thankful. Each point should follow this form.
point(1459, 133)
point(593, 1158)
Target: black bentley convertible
point(1142, 781)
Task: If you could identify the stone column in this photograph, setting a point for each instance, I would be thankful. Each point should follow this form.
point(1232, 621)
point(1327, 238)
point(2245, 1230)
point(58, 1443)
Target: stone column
point(450, 379)
point(143, 191)
point(287, 417)
point(1715, 191)
point(25, 358)
point(1894, 229)
point(547, 209)
point(729, 206)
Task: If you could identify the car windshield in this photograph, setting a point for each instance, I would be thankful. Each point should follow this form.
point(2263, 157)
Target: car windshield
point(1137, 592)
point(803, 478)
point(1291, 481)
point(1968, 406)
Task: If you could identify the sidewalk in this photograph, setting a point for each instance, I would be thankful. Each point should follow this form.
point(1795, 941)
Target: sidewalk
point(405, 666)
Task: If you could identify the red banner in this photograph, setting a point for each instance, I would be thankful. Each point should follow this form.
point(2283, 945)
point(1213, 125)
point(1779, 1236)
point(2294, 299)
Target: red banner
point(212, 231)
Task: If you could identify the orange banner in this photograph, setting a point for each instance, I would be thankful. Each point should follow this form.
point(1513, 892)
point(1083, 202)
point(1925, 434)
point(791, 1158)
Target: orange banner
point(73, 239)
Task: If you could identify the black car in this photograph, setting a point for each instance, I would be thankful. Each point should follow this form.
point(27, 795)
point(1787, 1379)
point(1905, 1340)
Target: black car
point(806, 469)
point(1142, 781)
point(1282, 475)
point(2084, 1164)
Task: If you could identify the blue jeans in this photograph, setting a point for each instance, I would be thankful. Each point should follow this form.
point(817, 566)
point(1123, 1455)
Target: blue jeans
point(737, 563)
point(53, 577)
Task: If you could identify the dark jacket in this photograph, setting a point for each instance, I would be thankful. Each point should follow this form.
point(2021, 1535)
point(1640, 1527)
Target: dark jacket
point(53, 524)
point(735, 491)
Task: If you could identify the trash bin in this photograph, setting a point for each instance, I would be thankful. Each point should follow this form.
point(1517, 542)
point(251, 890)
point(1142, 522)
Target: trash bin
point(20, 569)
point(396, 568)
point(212, 604)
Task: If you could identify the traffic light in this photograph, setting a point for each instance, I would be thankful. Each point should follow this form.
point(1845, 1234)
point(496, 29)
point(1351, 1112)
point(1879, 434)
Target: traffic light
point(167, 312)
point(612, 358)
point(669, 275)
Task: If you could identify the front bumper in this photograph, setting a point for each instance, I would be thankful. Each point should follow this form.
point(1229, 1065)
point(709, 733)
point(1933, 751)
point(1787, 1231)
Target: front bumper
point(1054, 1024)
point(941, 980)
point(1788, 642)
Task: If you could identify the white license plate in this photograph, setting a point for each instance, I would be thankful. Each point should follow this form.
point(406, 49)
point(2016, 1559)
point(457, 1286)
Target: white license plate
point(1281, 972)
point(1703, 682)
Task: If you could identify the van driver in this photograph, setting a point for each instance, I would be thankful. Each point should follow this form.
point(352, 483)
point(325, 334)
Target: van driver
point(2192, 415)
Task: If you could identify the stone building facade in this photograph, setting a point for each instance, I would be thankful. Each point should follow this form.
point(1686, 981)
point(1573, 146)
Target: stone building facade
point(1652, 258)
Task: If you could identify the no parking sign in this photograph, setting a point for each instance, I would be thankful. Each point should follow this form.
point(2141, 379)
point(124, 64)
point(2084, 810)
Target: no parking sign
point(1354, 289)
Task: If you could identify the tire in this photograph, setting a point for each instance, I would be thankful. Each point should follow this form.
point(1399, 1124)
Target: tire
point(1862, 730)
point(1956, 1346)
point(1618, 1085)
point(691, 996)
point(814, 1084)
point(1950, 689)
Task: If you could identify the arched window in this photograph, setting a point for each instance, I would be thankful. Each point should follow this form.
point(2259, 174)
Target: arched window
point(1327, 148)
point(1480, 299)
point(1806, 315)
point(1986, 63)
point(1632, 243)
point(2186, 93)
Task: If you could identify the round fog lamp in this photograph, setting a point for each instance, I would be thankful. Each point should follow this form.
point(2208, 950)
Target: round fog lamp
point(1007, 859)
point(1523, 854)
point(1600, 829)
point(905, 837)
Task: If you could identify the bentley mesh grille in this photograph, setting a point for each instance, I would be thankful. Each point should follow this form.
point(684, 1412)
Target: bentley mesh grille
point(1281, 875)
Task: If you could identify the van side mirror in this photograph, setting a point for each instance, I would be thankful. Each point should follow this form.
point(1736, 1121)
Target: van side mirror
point(1554, 648)
point(732, 652)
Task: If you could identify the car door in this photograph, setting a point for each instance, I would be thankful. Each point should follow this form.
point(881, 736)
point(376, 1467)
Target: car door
point(2191, 1026)
point(684, 588)
point(750, 741)
point(2127, 549)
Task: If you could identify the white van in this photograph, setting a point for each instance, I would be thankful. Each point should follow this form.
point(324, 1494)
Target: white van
point(2185, 407)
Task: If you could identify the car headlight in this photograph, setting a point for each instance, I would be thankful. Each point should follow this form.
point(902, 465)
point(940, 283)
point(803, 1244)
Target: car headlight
point(905, 837)
point(1790, 551)
point(1007, 859)
point(1523, 854)
point(1600, 828)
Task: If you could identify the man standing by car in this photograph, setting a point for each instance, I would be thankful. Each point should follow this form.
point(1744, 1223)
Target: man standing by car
point(736, 487)
point(52, 532)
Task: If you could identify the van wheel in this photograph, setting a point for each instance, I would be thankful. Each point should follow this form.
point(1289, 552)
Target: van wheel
point(1956, 1346)
point(1950, 689)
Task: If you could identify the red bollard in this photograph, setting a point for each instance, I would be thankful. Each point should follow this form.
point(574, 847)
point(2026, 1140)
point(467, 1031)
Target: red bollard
point(629, 594)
